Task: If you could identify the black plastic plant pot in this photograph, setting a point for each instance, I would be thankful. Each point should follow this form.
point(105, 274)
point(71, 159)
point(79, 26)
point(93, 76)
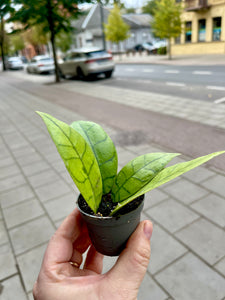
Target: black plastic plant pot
point(109, 235)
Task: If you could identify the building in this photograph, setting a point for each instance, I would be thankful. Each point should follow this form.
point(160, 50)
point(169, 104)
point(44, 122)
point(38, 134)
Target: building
point(88, 29)
point(204, 28)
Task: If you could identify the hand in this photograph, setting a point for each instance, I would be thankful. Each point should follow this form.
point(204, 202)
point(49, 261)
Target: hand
point(61, 278)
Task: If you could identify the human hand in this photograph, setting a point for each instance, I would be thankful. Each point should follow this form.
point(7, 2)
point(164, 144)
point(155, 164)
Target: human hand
point(61, 278)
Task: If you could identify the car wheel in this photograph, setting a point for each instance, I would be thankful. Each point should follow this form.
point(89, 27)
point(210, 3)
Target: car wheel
point(61, 75)
point(108, 74)
point(80, 74)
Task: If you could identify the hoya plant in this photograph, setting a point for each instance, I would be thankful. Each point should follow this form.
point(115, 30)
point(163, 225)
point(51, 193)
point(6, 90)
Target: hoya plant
point(91, 160)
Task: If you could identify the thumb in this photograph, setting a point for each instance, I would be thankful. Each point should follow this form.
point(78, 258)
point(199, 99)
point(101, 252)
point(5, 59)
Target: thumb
point(132, 264)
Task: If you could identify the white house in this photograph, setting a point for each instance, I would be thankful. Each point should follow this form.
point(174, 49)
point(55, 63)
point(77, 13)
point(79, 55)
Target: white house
point(89, 32)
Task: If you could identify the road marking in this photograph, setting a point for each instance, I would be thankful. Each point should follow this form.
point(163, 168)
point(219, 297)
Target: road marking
point(218, 88)
point(129, 70)
point(172, 71)
point(144, 81)
point(221, 100)
point(148, 70)
point(202, 73)
point(180, 84)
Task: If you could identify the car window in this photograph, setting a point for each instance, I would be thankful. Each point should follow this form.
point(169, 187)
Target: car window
point(46, 59)
point(94, 54)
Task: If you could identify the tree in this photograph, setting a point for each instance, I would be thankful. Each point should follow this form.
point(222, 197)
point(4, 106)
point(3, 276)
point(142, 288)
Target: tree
point(150, 7)
point(53, 15)
point(16, 43)
point(5, 9)
point(63, 41)
point(116, 30)
point(36, 37)
point(167, 22)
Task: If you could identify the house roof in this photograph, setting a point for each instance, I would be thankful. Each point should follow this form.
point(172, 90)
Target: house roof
point(92, 19)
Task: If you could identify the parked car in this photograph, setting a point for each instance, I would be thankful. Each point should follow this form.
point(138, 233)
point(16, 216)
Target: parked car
point(150, 47)
point(86, 62)
point(14, 63)
point(41, 64)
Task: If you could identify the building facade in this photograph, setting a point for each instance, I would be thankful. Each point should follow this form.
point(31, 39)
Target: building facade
point(204, 28)
point(89, 31)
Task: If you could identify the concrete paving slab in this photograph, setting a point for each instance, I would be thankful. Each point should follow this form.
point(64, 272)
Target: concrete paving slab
point(60, 207)
point(46, 176)
point(31, 234)
point(215, 184)
point(198, 175)
point(3, 234)
point(22, 212)
point(185, 191)
point(16, 195)
point(149, 289)
point(172, 215)
point(153, 198)
point(12, 287)
point(164, 250)
point(205, 239)
point(30, 264)
point(11, 182)
point(220, 266)
point(7, 262)
point(35, 168)
point(212, 207)
point(189, 278)
point(52, 190)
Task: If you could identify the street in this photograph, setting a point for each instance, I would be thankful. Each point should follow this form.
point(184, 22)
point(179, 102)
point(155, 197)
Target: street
point(36, 192)
point(206, 83)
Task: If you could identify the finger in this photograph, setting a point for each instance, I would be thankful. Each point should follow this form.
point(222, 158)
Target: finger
point(94, 261)
point(132, 264)
point(60, 247)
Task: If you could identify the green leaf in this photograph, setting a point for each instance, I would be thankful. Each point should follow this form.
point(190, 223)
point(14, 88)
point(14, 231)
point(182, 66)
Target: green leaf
point(167, 175)
point(103, 149)
point(137, 173)
point(78, 158)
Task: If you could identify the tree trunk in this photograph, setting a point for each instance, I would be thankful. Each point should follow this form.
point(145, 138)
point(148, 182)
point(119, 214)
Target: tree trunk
point(169, 49)
point(57, 78)
point(2, 44)
point(52, 38)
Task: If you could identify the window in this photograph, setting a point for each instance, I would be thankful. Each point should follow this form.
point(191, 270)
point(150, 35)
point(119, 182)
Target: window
point(177, 40)
point(201, 30)
point(217, 29)
point(188, 32)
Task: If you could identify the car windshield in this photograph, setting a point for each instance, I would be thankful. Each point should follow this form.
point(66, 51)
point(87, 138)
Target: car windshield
point(46, 59)
point(14, 59)
point(96, 53)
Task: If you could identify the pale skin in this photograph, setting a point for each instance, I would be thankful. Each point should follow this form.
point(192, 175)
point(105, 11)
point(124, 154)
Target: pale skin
point(59, 279)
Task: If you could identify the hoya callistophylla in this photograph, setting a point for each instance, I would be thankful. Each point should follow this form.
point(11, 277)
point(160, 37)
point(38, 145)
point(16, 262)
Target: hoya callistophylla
point(79, 159)
point(90, 157)
point(103, 149)
point(166, 175)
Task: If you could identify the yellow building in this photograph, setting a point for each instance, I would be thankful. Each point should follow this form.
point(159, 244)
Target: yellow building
point(204, 28)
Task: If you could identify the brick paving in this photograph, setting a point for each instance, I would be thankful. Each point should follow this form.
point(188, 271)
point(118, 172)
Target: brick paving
point(36, 194)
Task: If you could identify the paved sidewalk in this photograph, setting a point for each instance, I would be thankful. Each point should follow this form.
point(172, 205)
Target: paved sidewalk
point(180, 60)
point(36, 194)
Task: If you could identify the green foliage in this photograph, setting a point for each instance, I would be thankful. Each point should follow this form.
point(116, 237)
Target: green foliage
point(16, 43)
point(116, 30)
point(167, 19)
point(64, 41)
point(53, 16)
point(162, 50)
point(79, 159)
point(130, 10)
point(137, 173)
point(150, 7)
point(36, 35)
point(103, 149)
point(167, 175)
point(91, 159)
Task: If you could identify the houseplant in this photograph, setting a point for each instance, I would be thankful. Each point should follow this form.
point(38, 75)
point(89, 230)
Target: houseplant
point(107, 197)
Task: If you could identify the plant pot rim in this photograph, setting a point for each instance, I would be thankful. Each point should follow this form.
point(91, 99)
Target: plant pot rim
point(98, 217)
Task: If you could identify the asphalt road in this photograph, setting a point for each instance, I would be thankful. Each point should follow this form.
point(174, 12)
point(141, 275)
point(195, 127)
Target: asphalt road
point(133, 125)
point(205, 83)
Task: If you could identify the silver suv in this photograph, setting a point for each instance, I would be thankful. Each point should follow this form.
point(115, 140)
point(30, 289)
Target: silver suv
point(87, 62)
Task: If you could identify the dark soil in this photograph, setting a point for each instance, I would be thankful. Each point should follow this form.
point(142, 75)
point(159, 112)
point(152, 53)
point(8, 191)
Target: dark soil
point(107, 206)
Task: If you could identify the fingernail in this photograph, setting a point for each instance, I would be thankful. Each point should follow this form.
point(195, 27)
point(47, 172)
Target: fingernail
point(148, 229)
